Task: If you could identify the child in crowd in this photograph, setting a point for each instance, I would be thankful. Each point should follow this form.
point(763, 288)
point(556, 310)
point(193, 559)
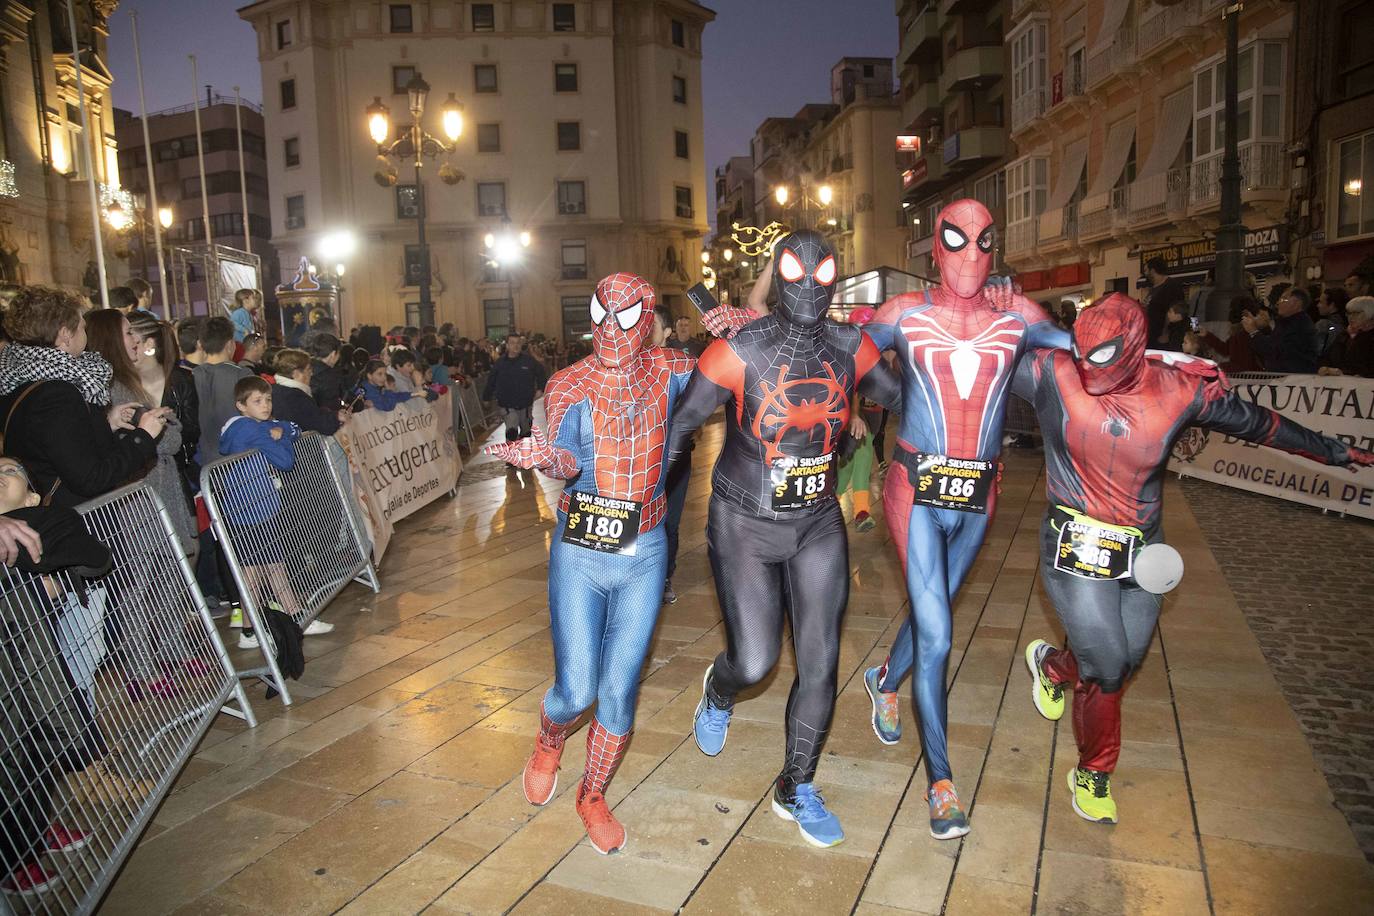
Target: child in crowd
point(215, 379)
point(403, 371)
point(374, 389)
point(291, 397)
point(252, 500)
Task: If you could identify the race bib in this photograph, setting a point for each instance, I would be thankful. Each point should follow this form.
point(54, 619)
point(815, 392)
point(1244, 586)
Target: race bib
point(801, 482)
point(1090, 552)
point(602, 523)
point(954, 483)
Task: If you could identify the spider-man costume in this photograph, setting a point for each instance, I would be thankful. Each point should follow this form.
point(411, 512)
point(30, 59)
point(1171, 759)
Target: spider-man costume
point(607, 418)
point(957, 346)
point(775, 535)
point(1109, 416)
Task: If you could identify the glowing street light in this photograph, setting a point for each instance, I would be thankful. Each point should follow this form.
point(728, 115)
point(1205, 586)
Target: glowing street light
point(825, 194)
point(452, 118)
point(728, 254)
point(164, 217)
point(507, 248)
point(780, 194)
point(378, 121)
point(706, 257)
point(338, 245)
point(118, 218)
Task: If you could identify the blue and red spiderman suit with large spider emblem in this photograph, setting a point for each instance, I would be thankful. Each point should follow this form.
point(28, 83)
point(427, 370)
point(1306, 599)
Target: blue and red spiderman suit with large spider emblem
point(775, 536)
point(957, 346)
point(1110, 415)
point(607, 418)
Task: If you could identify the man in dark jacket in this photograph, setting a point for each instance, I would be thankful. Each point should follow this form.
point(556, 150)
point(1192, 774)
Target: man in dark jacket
point(327, 383)
point(1290, 343)
point(1165, 292)
point(516, 379)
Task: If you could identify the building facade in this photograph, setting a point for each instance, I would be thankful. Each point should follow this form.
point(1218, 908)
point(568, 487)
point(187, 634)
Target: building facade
point(46, 230)
point(176, 170)
point(583, 127)
point(1116, 113)
point(734, 206)
point(952, 67)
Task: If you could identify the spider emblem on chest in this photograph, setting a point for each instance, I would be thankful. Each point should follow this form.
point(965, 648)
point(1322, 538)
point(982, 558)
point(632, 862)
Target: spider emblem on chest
point(1117, 428)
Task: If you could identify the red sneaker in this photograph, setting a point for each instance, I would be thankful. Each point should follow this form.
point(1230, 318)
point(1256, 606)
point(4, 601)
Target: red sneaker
point(606, 833)
point(541, 771)
point(61, 839)
point(28, 881)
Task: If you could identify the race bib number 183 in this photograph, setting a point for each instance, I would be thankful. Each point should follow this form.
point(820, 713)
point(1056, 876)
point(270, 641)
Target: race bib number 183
point(802, 482)
point(602, 523)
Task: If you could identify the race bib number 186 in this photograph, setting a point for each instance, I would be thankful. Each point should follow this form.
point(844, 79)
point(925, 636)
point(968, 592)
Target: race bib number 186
point(602, 523)
point(955, 483)
point(802, 482)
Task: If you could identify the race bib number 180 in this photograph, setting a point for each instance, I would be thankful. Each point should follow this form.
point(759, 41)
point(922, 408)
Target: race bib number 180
point(602, 523)
point(802, 482)
point(955, 483)
point(1090, 552)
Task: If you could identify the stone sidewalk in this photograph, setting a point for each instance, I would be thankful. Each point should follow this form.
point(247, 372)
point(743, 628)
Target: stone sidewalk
point(392, 785)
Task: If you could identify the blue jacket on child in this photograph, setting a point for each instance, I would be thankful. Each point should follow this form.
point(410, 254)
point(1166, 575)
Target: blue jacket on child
point(383, 398)
point(251, 496)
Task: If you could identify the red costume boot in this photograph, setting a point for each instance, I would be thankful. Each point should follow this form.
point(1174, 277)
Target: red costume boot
point(604, 752)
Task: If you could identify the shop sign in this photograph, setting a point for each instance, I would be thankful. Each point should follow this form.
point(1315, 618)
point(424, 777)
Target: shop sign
point(908, 144)
point(1261, 245)
point(951, 149)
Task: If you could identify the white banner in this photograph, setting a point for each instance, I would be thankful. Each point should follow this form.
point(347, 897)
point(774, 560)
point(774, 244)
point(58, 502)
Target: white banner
point(406, 459)
point(1337, 406)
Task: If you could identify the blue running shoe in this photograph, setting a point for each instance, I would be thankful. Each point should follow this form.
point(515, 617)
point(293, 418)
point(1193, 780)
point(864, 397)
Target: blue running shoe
point(712, 723)
point(806, 807)
point(887, 725)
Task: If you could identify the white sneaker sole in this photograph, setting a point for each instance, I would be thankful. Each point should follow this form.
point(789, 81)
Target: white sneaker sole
point(873, 720)
point(705, 680)
point(786, 815)
point(1034, 670)
point(1073, 799)
point(952, 833)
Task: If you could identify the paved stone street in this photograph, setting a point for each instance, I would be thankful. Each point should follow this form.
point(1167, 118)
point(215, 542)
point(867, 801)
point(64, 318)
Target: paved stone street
point(1305, 582)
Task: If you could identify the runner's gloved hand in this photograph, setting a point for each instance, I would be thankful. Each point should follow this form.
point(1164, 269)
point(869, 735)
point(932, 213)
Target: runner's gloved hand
point(1361, 458)
point(724, 320)
point(535, 451)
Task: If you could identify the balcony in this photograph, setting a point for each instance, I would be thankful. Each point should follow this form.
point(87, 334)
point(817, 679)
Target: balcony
point(1027, 108)
point(975, 67)
point(1263, 175)
point(1058, 229)
point(1020, 8)
point(922, 39)
point(1021, 239)
point(1100, 215)
point(1112, 59)
point(923, 106)
point(1161, 26)
point(972, 147)
point(1159, 198)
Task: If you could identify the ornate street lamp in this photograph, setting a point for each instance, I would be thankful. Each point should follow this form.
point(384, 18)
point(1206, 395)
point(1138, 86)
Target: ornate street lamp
point(412, 146)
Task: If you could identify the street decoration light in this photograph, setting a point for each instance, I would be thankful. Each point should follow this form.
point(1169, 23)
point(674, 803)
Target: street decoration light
point(164, 217)
point(412, 145)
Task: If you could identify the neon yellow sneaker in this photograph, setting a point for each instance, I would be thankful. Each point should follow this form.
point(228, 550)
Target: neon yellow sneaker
point(1048, 696)
point(1092, 795)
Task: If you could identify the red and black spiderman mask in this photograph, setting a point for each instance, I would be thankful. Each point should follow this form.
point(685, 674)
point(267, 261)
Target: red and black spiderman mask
point(1109, 344)
point(622, 318)
point(805, 267)
point(963, 247)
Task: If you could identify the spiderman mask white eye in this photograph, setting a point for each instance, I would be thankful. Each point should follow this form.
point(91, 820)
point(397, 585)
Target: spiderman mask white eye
point(985, 240)
point(825, 273)
point(1104, 355)
point(954, 239)
point(629, 317)
point(598, 310)
point(789, 267)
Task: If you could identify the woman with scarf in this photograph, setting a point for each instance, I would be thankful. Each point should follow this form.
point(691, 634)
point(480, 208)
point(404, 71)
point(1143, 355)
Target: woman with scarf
point(55, 410)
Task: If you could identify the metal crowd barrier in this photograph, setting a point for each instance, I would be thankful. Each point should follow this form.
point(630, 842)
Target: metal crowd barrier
point(293, 539)
point(107, 686)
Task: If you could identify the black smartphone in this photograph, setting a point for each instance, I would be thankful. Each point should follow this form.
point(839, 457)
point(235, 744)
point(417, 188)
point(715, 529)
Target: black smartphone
point(138, 415)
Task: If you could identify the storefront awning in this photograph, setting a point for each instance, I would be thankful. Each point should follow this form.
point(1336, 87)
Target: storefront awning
point(1075, 156)
point(1115, 153)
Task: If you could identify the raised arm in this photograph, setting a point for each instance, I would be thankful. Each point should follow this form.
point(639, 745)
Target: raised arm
point(875, 382)
point(1233, 415)
point(719, 375)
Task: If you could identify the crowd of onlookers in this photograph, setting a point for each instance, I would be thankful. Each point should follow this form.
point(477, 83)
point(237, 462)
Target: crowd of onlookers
point(1326, 330)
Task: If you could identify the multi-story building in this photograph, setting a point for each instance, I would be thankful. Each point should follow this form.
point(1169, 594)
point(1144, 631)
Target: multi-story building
point(46, 231)
point(734, 206)
point(1116, 111)
point(583, 128)
point(176, 170)
point(951, 64)
point(1333, 216)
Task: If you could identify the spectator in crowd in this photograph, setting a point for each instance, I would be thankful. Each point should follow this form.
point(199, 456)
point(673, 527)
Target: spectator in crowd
point(1165, 291)
point(1235, 352)
point(189, 331)
point(1358, 284)
point(515, 381)
point(252, 501)
point(1356, 355)
point(110, 334)
point(123, 299)
point(682, 339)
point(1287, 343)
point(438, 367)
point(7, 293)
point(1328, 317)
point(292, 400)
point(244, 314)
point(1197, 303)
point(374, 390)
point(1175, 327)
point(327, 383)
point(254, 351)
point(171, 385)
point(215, 380)
point(403, 373)
point(55, 410)
point(144, 291)
point(1276, 292)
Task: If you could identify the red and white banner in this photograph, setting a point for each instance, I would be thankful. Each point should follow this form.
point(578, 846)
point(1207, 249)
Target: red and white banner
point(1338, 406)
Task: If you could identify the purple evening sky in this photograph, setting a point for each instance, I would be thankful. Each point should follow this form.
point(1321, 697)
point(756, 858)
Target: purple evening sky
point(762, 57)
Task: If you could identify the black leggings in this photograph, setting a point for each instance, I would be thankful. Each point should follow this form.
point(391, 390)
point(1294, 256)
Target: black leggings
point(762, 569)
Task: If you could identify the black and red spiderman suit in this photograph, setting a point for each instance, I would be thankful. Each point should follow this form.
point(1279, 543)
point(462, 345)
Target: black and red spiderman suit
point(775, 536)
point(1109, 416)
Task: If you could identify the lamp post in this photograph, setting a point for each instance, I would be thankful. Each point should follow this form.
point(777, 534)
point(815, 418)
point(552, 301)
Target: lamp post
point(122, 220)
point(825, 195)
point(413, 144)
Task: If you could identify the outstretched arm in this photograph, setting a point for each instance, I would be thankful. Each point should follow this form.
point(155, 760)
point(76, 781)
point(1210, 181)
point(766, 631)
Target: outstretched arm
point(1233, 415)
point(553, 458)
point(875, 382)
